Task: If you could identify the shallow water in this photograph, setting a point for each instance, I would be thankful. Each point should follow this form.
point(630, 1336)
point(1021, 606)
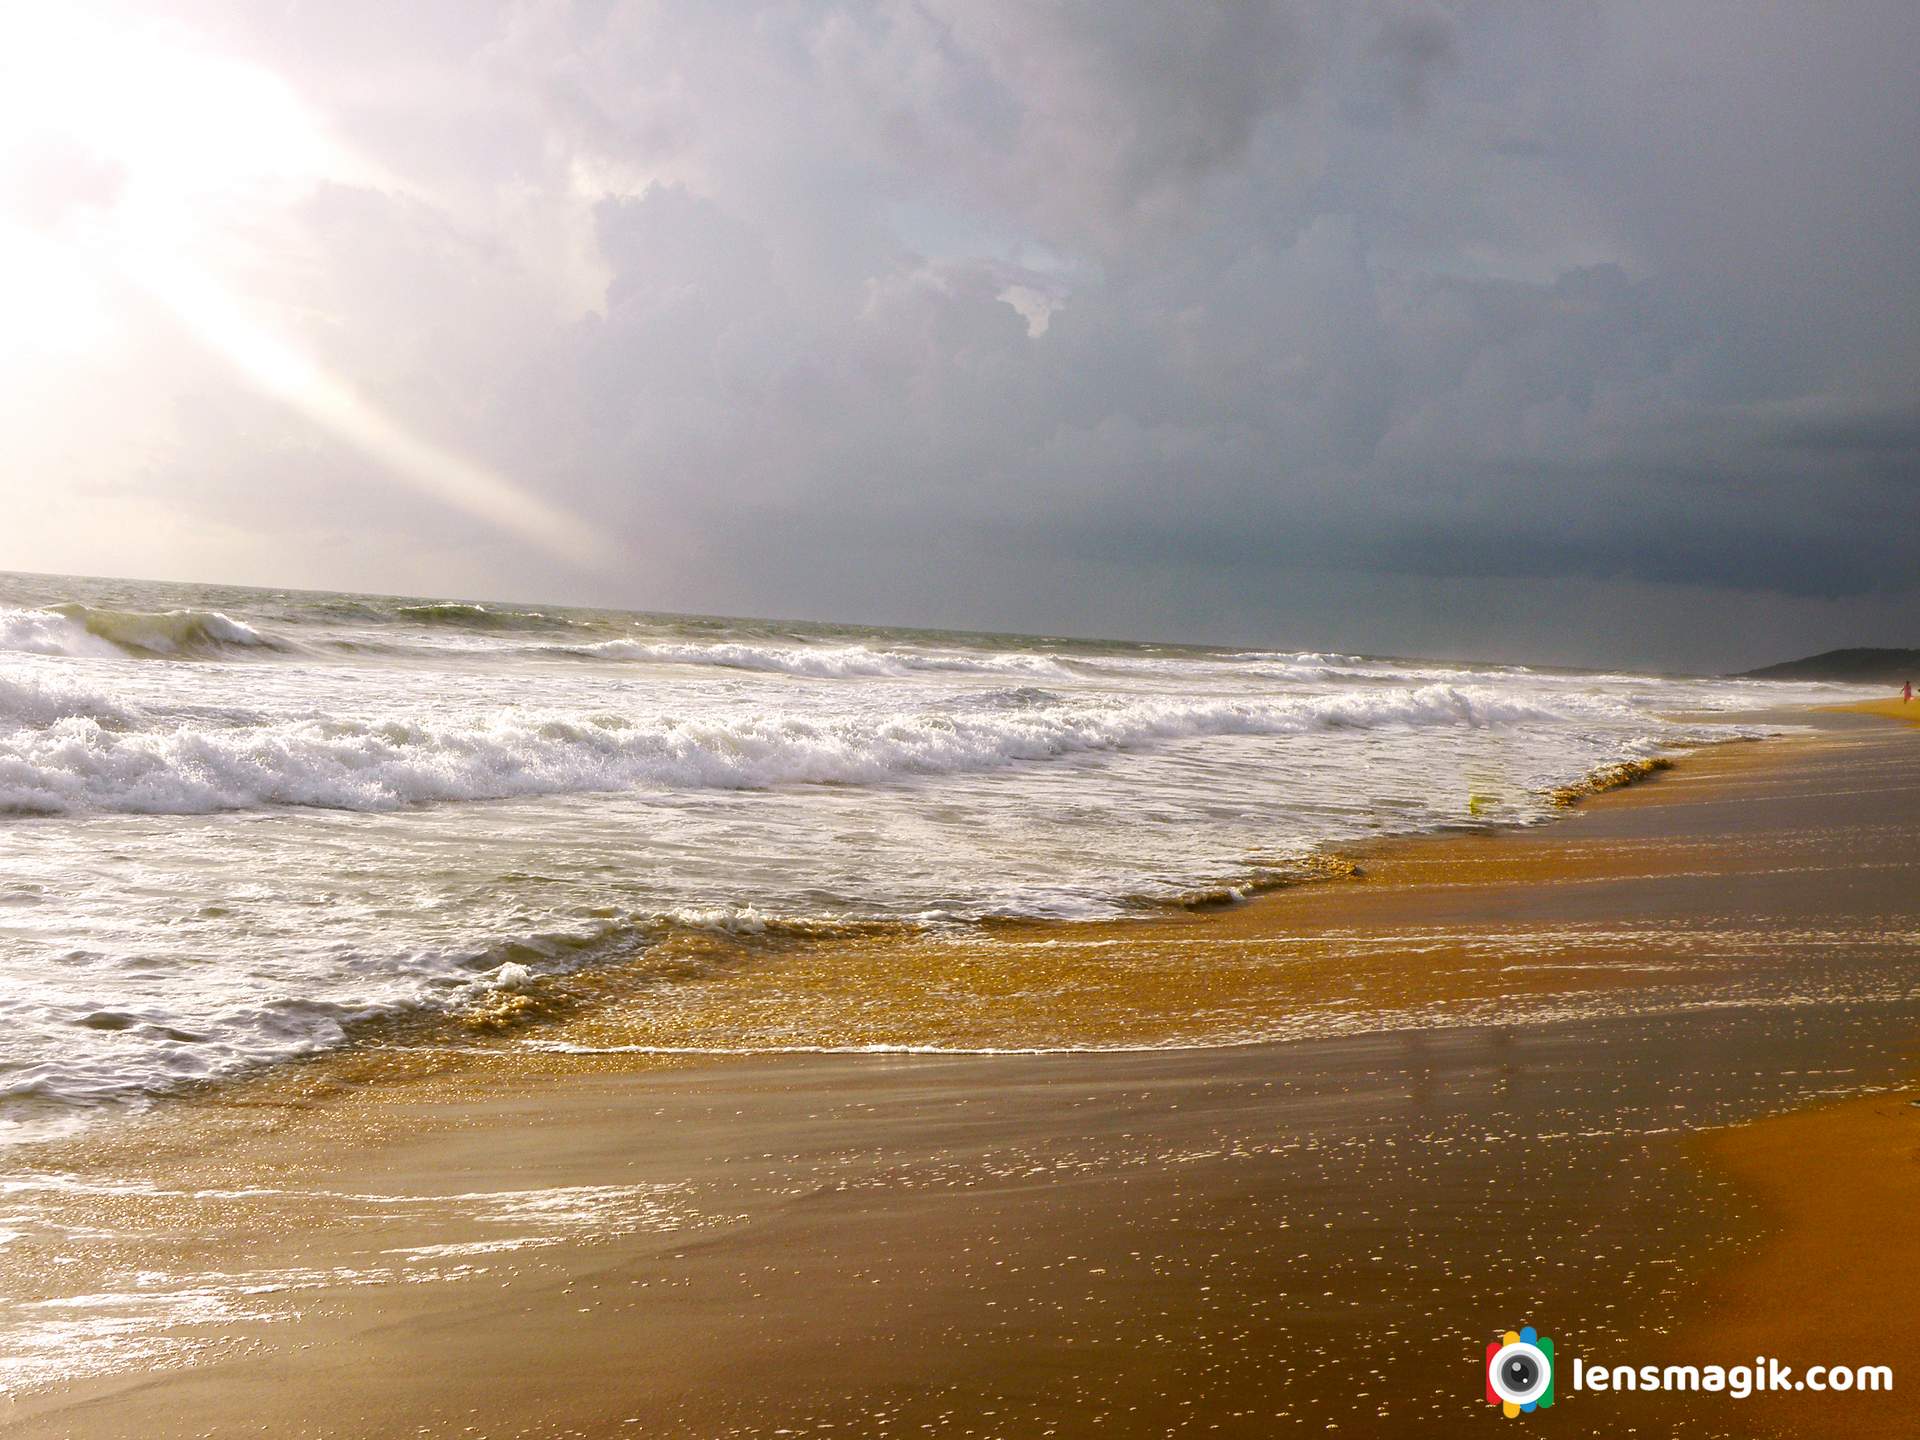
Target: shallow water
point(235, 823)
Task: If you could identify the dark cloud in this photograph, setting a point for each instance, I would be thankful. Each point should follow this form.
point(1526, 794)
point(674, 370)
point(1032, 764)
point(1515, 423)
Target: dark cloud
point(1416, 48)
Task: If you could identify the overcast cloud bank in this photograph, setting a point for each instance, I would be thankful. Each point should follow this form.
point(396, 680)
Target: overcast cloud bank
point(1556, 333)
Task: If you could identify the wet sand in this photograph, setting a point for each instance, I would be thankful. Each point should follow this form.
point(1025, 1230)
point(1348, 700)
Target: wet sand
point(1835, 1278)
point(1492, 1079)
point(1835, 1274)
point(1893, 708)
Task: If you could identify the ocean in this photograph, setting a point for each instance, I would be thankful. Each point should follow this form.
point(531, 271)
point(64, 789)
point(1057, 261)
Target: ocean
point(242, 825)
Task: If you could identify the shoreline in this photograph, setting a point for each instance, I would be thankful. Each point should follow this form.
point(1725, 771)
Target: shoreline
point(525, 1005)
point(1581, 901)
point(521, 1010)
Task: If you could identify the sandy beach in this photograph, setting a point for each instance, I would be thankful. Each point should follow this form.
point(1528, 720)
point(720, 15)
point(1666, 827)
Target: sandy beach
point(1639, 1077)
point(959, 720)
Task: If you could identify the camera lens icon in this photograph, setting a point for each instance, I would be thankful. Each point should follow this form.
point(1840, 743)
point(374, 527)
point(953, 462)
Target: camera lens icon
point(1520, 1371)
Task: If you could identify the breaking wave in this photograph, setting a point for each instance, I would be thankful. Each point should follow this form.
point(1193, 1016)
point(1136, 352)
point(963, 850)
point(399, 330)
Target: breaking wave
point(78, 763)
point(88, 630)
point(29, 701)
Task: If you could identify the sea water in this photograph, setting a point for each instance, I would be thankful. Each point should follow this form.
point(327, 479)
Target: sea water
point(240, 825)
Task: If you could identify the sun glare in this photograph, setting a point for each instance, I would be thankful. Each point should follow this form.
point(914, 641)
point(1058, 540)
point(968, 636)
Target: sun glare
point(124, 150)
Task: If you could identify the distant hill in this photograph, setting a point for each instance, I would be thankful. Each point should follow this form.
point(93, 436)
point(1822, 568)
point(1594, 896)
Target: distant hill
point(1853, 667)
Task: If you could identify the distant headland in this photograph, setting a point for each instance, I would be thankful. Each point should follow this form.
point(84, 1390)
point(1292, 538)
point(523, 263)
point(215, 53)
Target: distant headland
point(1859, 667)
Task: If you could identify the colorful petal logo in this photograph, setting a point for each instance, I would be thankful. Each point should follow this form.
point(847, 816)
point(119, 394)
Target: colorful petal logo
point(1520, 1371)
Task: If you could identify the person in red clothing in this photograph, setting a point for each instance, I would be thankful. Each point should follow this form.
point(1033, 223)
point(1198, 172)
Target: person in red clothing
point(1907, 693)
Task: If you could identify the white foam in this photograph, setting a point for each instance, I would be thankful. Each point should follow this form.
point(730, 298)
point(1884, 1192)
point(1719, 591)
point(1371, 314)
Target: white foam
point(29, 699)
point(77, 764)
point(44, 632)
point(819, 661)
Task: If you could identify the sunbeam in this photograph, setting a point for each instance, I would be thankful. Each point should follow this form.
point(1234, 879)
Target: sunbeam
point(150, 138)
point(220, 321)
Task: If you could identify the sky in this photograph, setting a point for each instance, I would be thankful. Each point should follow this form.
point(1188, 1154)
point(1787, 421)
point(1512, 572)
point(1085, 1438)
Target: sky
point(1563, 333)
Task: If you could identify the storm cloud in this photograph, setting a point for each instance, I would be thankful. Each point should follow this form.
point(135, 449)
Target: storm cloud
point(1567, 333)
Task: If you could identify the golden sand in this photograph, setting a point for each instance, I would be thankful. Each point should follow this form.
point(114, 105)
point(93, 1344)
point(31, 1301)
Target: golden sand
point(1892, 708)
point(1836, 1278)
point(579, 1206)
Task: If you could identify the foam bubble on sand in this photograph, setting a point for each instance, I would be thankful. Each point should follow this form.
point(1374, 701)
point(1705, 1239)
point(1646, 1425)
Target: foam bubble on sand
point(149, 1313)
